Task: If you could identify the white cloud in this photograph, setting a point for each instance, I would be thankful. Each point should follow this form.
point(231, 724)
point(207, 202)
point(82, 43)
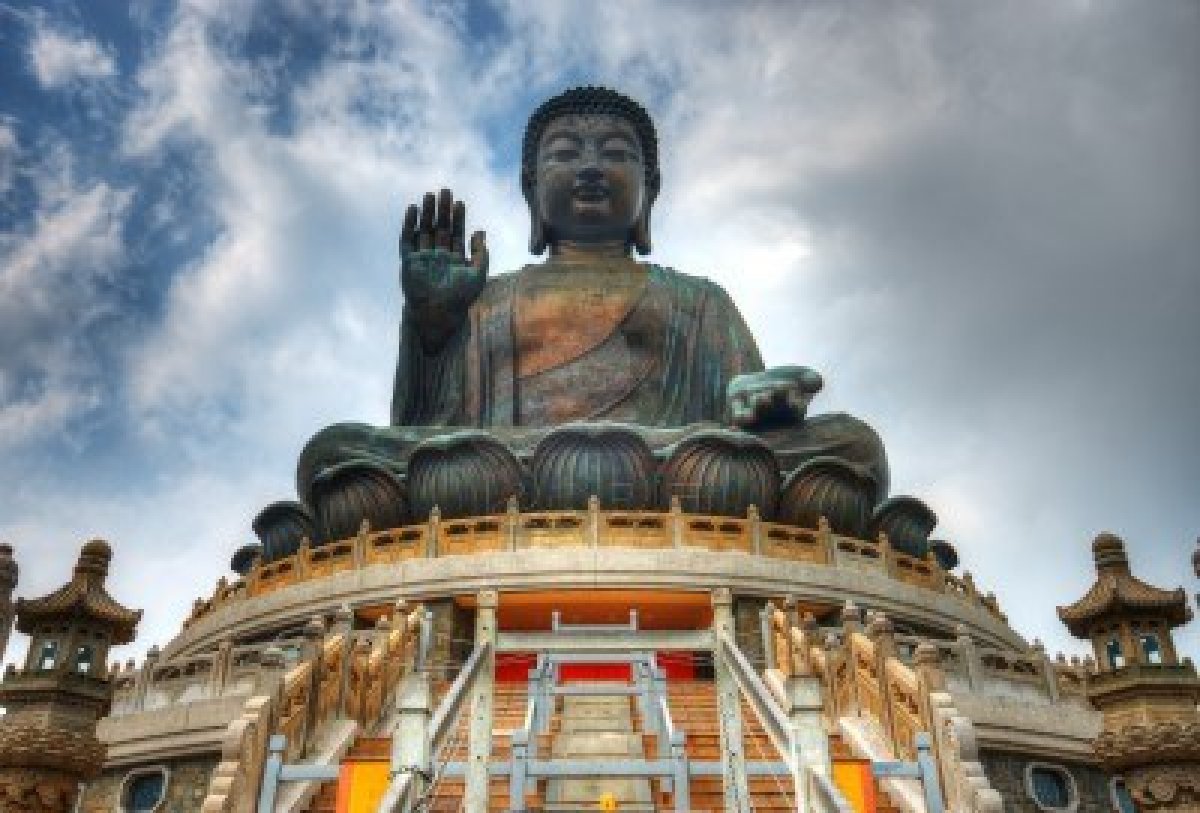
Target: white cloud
point(50, 275)
point(58, 58)
point(932, 207)
point(8, 155)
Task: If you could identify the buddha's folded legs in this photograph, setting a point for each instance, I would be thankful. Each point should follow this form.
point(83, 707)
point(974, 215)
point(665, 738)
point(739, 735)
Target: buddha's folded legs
point(834, 435)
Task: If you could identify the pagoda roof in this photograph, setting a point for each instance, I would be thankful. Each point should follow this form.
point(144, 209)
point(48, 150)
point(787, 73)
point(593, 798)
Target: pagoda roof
point(1118, 592)
point(83, 596)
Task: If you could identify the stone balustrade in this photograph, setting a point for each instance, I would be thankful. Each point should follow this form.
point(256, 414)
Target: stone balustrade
point(342, 674)
point(230, 670)
point(595, 528)
point(863, 676)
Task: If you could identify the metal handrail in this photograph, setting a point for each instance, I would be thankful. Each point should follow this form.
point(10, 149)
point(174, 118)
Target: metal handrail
point(448, 710)
point(761, 700)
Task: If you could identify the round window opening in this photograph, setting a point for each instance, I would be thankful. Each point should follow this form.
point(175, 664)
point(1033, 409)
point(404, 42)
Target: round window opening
point(1051, 787)
point(144, 792)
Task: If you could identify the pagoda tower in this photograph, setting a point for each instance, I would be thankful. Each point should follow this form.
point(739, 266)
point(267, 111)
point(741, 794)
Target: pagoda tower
point(1151, 729)
point(47, 739)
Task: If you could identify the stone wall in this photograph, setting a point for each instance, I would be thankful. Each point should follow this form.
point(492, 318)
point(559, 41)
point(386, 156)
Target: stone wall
point(1006, 771)
point(186, 785)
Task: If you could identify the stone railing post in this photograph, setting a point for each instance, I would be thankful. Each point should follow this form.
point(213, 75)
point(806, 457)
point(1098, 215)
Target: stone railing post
point(833, 654)
point(887, 555)
point(969, 652)
point(343, 624)
point(433, 533)
point(810, 636)
point(883, 634)
point(969, 586)
point(675, 520)
point(145, 678)
point(851, 624)
point(754, 522)
point(766, 627)
point(1046, 667)
point(592, 528)
point(512, 522)
point(927, 664)
point(218, 678)
point(826, 541)
point(358, 550)
point(301, 558)
point(358, 681)
point(311, 649)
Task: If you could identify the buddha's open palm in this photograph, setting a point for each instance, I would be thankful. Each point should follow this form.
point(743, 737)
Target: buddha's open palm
point(438, 279)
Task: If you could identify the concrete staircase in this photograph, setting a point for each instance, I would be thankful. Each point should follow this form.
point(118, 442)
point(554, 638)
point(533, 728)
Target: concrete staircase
point(609, 727)
point(694, 709)
point(597, 728)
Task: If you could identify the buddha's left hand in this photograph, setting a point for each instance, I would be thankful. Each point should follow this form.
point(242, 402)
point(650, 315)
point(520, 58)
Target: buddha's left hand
point(773, 398)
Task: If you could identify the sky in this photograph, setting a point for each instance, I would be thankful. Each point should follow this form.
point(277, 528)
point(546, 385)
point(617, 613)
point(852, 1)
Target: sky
point(979, 221)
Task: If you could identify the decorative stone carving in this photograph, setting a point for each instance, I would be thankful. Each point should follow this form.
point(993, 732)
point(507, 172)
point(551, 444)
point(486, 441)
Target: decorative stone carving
point(280, 527)
point(907, 522)
point(244, 558)
point(721, 473)
point(346, 494)
point(577, 461)
point(1165, 787)
point(464, 474)
point(1167, 741)
point(827, 487)
point(944, 552)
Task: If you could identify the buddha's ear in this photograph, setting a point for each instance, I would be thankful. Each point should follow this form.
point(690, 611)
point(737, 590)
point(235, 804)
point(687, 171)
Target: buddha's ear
point(537, 234)
point(641, 232)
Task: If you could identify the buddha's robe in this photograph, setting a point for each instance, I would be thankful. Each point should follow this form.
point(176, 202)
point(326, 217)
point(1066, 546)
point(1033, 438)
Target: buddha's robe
point(559, 342)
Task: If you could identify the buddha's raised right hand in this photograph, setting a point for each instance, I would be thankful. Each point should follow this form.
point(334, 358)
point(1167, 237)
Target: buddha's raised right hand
point(438, 279)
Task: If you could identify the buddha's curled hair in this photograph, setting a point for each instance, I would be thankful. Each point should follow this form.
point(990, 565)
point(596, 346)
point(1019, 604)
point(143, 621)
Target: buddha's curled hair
point(590, 100)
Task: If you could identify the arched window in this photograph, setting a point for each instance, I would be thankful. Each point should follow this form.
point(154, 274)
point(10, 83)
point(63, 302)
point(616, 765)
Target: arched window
point(1051, 787)
point(1150, 648)
point(48, 656)
point(83, 659)
point(144, 791)
point(1116, 658)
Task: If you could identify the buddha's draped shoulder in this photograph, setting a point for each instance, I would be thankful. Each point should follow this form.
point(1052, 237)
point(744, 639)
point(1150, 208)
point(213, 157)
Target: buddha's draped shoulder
point(550, 344)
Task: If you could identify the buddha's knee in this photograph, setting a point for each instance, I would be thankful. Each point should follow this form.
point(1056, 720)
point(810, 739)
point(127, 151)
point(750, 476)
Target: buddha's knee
point(332, 445)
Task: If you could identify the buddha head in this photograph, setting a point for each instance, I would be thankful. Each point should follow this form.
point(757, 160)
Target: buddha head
point(589, 170)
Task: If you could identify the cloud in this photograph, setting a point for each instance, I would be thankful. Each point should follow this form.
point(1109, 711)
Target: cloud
point(58, 58)
point(977, 222)
point(8, 156)
point(54, 272)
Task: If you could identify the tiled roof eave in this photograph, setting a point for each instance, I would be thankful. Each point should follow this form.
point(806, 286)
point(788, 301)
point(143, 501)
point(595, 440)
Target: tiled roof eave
point(1113, 596)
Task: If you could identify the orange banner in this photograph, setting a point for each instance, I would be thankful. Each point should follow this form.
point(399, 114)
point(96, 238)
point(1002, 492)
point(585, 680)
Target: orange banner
point(361, 786)
point(853, 778)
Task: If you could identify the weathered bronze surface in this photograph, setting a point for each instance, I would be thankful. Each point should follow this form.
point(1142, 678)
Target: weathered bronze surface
point(590, 335)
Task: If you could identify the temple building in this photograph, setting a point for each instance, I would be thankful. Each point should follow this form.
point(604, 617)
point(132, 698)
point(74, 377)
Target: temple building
point(48, 742)
point(601, 558)
point(1149, 696)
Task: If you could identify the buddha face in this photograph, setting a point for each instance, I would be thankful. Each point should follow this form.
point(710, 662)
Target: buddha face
point(591, 180)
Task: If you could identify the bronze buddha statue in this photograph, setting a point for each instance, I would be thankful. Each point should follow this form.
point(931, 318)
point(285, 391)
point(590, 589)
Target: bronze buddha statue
point(587, 374)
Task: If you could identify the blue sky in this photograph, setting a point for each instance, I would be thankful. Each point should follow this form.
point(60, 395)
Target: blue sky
point(978, 221)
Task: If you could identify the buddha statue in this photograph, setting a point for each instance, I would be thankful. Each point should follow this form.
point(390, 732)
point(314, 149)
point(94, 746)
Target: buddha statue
point(589, 373)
